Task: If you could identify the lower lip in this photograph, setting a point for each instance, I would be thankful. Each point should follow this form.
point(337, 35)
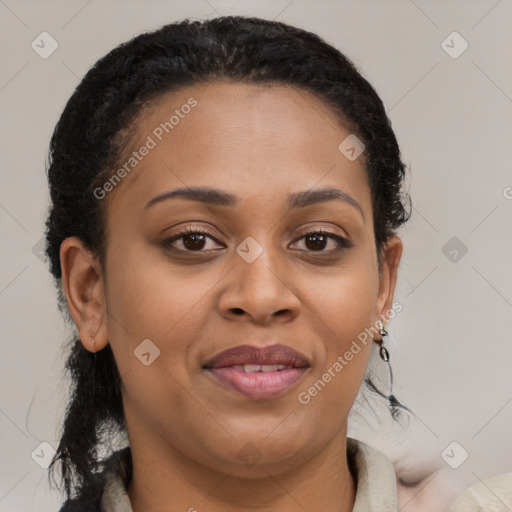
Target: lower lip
point(258, 384)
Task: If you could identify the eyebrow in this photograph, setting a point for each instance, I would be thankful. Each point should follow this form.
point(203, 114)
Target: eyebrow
point(216, 197)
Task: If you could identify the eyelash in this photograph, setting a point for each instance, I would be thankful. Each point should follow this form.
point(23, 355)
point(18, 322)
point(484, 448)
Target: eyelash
point(343, 243)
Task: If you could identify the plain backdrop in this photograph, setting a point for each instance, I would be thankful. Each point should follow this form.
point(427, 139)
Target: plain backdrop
point(451, 110)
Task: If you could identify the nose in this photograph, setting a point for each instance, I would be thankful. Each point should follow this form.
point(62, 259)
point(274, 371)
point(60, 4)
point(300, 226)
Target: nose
point(261, 292)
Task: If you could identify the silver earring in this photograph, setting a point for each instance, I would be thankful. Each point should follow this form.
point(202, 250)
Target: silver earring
point(394, 403)
point(384, 354)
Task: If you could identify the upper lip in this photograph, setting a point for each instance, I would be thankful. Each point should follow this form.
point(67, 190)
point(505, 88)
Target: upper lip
point(249, 354)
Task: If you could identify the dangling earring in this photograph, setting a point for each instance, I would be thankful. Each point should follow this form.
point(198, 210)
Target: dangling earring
point(384, 354)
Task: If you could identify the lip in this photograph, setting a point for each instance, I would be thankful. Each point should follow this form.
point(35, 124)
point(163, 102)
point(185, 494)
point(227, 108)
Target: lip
point(227, 368)
point(249, 354)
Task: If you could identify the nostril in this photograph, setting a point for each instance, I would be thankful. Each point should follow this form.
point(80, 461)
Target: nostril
point(238, 311)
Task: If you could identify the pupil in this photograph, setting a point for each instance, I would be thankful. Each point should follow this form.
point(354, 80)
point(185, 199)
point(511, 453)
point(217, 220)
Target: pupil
point(197, 241)
point(316, 238)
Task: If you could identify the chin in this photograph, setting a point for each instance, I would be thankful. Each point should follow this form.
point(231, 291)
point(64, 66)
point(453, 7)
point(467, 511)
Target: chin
point(261, 456)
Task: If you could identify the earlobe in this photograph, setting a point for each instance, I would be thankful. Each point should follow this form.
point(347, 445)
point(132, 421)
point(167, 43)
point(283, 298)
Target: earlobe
point(83, 284)
point(390, 258)
point(97, 341)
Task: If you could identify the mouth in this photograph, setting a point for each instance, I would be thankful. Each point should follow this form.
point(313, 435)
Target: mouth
point(258, 372)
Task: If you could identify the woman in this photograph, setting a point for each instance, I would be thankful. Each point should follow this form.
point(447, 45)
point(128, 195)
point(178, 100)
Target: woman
point(225, 200)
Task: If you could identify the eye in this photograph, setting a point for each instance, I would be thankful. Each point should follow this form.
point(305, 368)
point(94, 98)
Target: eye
point(191, 239)
point(318, 240)
point(194, 239)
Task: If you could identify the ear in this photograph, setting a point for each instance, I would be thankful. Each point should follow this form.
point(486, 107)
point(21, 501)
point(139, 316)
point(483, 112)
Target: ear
point(83, 283)
point(390, 259)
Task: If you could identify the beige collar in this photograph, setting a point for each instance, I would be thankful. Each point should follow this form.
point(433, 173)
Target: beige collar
point(376, 482)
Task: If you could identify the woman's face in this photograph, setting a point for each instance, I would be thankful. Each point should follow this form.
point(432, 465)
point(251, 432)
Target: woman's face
point(251, 277)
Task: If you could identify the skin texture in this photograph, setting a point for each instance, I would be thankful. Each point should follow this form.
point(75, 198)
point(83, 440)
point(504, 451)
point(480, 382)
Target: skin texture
point(186, 430)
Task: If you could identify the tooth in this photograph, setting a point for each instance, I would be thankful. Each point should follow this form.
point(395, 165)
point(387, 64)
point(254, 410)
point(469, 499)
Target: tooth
point(252, 368)
point(269, 367)
point(281, 366)
point(239, 367)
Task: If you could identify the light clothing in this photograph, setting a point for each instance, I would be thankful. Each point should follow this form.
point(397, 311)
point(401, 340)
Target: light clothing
point(491, 495)
point(376, 485)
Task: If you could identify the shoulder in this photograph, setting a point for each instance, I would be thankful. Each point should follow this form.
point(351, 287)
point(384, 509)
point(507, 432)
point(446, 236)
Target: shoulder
point(491, 495)
point(422, 487)
point(108, 491)
point(439, 489)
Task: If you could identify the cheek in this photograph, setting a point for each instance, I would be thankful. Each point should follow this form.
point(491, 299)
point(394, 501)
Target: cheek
point(343, 308)
point(345, 301)
point(148, 298)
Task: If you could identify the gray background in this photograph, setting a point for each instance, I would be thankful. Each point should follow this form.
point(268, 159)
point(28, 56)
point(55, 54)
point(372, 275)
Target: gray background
point(451, 343)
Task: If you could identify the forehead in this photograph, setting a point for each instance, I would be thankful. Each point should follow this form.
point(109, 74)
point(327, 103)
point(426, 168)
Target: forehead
point(251, 140)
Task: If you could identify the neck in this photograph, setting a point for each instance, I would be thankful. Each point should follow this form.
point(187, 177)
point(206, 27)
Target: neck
point(165, 479)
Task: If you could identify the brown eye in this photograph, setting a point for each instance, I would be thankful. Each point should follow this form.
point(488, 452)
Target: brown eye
point(191, 240)
point(316, 241)
point(194, 242)
point(319, 241)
